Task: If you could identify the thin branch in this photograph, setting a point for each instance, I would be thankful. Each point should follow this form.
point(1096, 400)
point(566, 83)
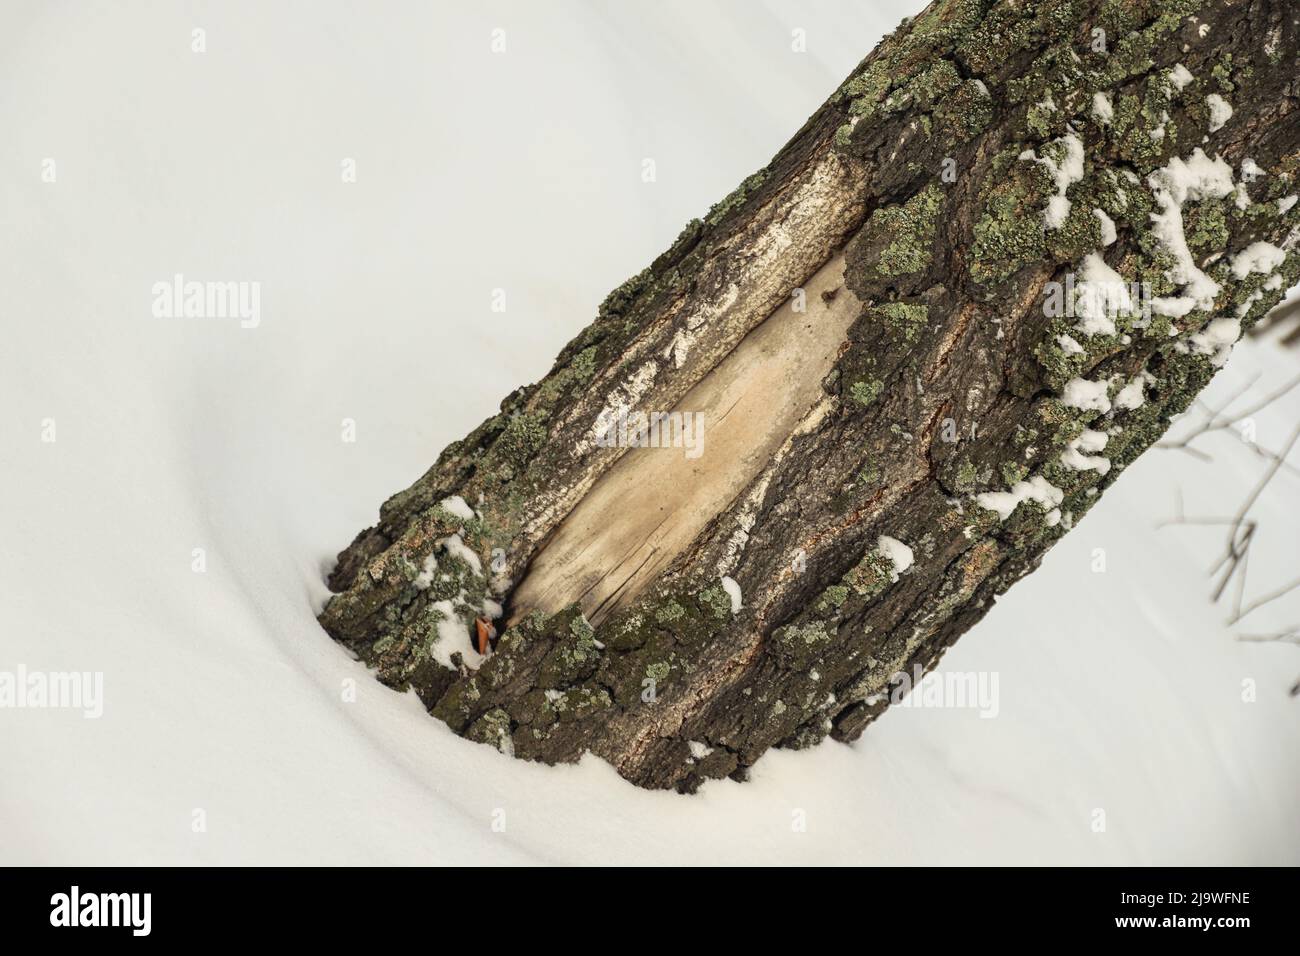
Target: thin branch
point(1266, 599)
point(1280, 637)
point(1263, 482)
point(1216, 420)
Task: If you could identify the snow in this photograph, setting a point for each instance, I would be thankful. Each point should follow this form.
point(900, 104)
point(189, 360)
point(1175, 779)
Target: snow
point(1175, 306)
point(1036, 488)
point(1132, 395)
point(1285, 203)
point(1180, 180)
point(899, 554)
point(1217, 339)
point(1248, 303)
point(1065, 172)
point(1101, 294)
point(1102, 108)
point(733, 591)
point(453, 637)
point(455, 546)
point(456, 505)
point(1069, 345)
point(1158, 132)
point(427, 570)
point(1089, 396)
point(1250, 170)
point(221, 693)
point(1179, 77)
point(1079, 454)
point(1220, 111)
point(1108, 233)
point(1257, 257)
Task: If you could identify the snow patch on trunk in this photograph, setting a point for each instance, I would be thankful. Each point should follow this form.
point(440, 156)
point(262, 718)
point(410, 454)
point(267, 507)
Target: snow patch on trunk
point(1133, 394)
point(457, 548)
point(1102, 109)
point(1100, 295)
point(1108, 232)
point(456, 505)
point(1178, 181)
point(1217, 339)
point(1257, 257)
point(899, 554)
point(1088, 396)
point(1065, 172)
point(1220, 111)
point(1080, 454)
point(453, 637)
point(733, 591)
point(1037, 489)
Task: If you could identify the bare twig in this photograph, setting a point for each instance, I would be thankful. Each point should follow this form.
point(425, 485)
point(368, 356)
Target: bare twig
point(1234, 562)
point(1267, 598)
point(1216, 420)
point(1260, 486)
point(1288, 637)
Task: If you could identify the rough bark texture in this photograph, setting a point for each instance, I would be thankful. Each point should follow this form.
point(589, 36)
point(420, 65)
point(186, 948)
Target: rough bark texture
point(952, 383)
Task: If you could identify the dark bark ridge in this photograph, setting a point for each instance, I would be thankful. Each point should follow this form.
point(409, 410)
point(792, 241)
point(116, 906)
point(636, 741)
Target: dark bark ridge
point(956, 397)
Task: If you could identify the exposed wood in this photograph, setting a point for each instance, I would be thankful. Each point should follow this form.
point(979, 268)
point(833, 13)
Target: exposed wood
point(647, 509)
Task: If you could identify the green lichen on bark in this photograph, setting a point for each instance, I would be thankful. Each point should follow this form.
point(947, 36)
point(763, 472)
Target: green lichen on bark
point(866, 392)
point(898, 239)
point(1008, 234)
point(904, 320)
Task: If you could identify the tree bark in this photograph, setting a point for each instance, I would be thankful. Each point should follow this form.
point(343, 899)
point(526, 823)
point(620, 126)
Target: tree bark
point(918, 229)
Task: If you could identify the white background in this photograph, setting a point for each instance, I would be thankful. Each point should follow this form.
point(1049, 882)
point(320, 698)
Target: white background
point(1120, 691)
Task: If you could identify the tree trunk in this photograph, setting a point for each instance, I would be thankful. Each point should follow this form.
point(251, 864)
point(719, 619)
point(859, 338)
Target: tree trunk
point(898, 420)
